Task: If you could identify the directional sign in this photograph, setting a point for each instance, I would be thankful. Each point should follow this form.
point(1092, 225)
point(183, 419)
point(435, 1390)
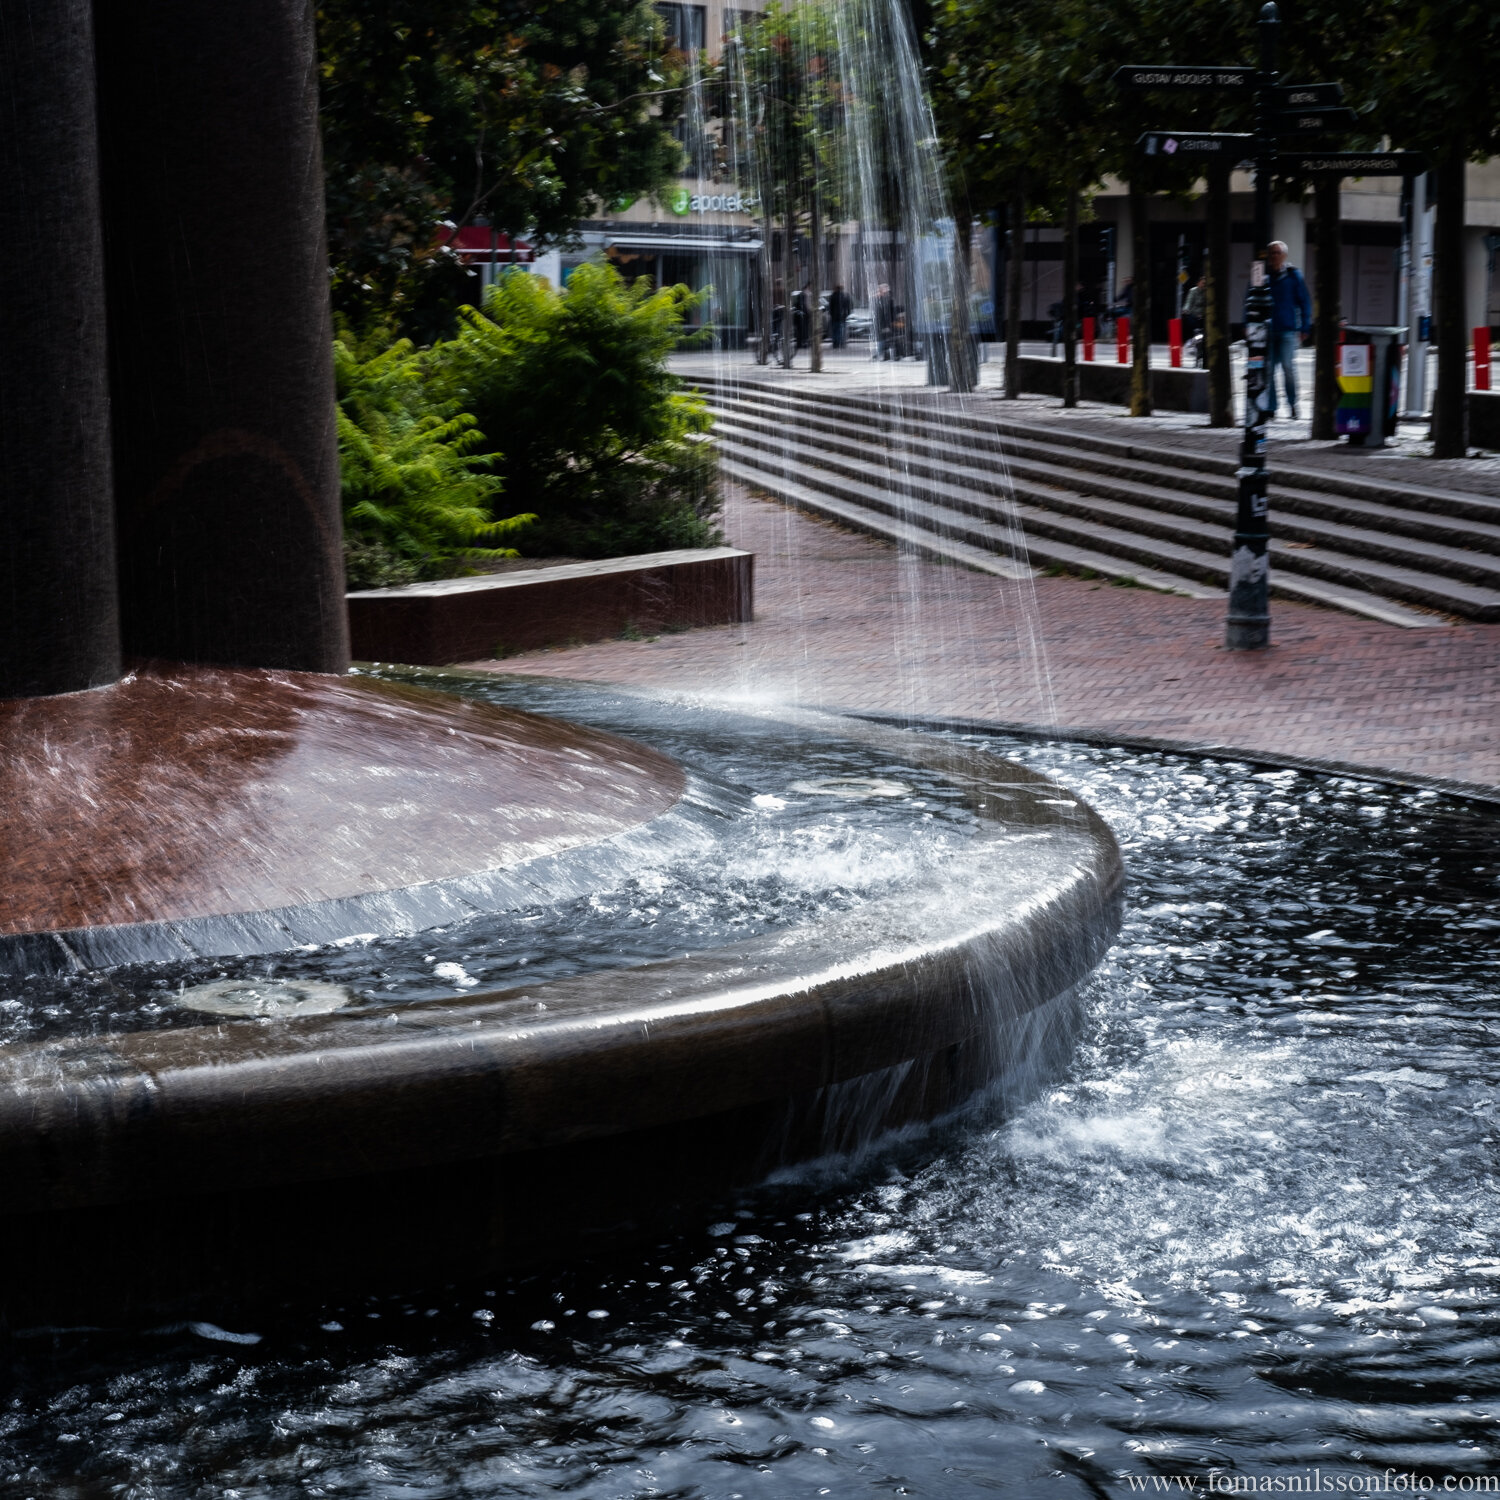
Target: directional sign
point(1231, 80)
point(1307, 95)
point(1315, 121)
point(1352, 163)
point(1194, 143)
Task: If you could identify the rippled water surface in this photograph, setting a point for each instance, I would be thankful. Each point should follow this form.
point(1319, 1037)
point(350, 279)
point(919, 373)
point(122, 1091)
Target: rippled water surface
point(1250, 1230)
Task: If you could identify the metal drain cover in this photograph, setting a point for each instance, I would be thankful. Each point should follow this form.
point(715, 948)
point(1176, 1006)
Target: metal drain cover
point(265, 997)
point(851, 786)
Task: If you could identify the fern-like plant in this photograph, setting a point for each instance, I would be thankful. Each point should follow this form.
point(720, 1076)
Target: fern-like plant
point(418, 485)
point(592, 430)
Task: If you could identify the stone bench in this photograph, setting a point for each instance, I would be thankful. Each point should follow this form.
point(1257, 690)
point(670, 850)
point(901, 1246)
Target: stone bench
point(498, 614)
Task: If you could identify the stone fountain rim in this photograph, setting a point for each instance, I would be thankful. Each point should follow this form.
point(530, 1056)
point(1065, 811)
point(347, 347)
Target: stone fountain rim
point(91, 1121)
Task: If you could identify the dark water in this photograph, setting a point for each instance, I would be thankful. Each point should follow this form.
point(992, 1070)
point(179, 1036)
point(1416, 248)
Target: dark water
point(1250, 1230)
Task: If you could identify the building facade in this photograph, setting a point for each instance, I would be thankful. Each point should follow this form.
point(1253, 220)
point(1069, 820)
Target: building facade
point(1378, 229)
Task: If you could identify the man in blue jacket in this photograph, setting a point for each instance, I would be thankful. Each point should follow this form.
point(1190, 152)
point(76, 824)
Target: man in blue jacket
point(1291, 318)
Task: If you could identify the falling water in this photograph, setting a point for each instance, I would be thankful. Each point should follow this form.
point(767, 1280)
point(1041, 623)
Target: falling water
point(829, 96)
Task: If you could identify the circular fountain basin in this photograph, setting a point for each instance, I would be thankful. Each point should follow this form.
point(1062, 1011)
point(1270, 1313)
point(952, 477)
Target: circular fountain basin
point(203, 811)
point(446, 1136)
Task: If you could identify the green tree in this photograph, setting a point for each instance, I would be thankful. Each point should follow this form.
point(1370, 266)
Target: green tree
point(1436, 89)
point(589, 428)
point(436, 113)
point(417, 485)
point(786, 105)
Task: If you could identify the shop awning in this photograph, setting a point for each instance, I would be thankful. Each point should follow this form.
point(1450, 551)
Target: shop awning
point(475, 247)
point(679, 244)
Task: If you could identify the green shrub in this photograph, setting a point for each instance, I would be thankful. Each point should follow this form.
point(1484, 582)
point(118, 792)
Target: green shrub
point(592, 433)
point(417, 485)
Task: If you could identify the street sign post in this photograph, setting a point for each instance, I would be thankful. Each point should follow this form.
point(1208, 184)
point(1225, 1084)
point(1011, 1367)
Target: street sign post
point(1315, 121)
point(1281, 109)
point(1307, 95)
point(1352, 163)
point(1226, 80)
point(1188, 143)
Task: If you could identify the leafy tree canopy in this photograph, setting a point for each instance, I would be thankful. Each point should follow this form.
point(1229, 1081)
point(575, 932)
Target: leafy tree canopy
point(526, 113)
point(591, 430)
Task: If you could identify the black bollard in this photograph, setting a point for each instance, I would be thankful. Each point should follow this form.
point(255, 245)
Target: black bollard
point(226, 462)
point(58, 621)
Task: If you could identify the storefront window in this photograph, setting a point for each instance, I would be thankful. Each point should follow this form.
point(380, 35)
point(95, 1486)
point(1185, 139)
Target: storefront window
point(687, 26)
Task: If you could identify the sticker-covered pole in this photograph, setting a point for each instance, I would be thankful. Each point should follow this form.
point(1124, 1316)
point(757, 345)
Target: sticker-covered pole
point(1248, 624)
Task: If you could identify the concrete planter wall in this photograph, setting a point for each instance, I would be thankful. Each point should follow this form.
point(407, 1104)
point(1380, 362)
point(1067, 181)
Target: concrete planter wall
point(467, 619)
point(1171, 390)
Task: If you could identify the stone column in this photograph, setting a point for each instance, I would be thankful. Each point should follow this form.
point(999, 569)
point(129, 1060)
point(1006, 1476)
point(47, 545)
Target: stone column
point(225, 446)
point(59, 629)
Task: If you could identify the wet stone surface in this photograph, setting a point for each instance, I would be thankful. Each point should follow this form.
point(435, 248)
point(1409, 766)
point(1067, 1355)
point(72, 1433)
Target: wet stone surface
point(777, 826)
point(1246, 1225)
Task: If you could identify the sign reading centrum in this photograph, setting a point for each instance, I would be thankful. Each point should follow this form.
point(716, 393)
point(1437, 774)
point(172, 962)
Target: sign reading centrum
point(1206, 143)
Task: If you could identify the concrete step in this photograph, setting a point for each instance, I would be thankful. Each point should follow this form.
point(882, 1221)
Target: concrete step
point(987, 416)
point(1110, 476)
point(918, 449)
point(921, 458)
point(1050, 537)
point(942, 535)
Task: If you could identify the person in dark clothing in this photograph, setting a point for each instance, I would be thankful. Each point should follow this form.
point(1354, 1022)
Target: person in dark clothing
point(1193, 306)
point(800, 320)
point(885, 323)
point(1291, 320)
point(840, 305)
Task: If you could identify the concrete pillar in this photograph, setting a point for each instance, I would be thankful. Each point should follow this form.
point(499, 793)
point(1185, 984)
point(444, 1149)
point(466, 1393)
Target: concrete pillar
point(1476, 279)
point(224, 439)
point(1124, 243)
point(1289, 225)
point(58, 622)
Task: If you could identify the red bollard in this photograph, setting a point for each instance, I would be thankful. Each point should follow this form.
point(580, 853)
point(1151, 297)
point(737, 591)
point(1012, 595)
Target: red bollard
point(1174, 339)
point(1481, 359)
point(1122, 340)
point(1088, 339)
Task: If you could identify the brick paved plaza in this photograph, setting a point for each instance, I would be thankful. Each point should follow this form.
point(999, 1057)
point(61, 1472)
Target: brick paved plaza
point(843, 621)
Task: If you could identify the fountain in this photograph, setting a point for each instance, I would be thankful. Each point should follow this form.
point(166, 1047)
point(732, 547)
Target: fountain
point(1244, 1243)
point(192, 785)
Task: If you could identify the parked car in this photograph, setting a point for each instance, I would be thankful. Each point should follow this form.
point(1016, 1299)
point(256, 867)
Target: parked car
point(861, 324)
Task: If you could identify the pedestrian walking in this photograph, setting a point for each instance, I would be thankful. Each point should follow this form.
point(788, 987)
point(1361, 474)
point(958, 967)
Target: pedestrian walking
point(1291, 321)
point(840, 305)
point(800, 316)
point(779, 328)
point(885, 322)
point(1192, 308)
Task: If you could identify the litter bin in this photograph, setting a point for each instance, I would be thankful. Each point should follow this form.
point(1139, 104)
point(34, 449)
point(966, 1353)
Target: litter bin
point(1369, 385)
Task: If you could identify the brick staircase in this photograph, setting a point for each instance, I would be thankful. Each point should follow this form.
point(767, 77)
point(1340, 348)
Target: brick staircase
point(952, 480)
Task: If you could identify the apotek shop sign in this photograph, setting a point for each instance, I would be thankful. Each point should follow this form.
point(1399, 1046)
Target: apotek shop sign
point(684, 202)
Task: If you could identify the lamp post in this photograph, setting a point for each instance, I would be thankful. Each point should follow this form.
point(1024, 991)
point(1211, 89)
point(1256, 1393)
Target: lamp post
point(1280, 110)
point(1247, 626)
